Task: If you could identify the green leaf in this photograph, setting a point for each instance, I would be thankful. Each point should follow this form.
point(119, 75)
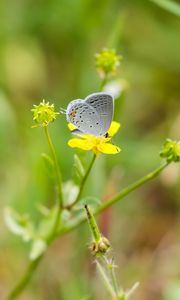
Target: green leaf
point(78, 166)
point(169, 5)
point(19, 224)
point(44, 210)
point(39, 246)
point(70, 191)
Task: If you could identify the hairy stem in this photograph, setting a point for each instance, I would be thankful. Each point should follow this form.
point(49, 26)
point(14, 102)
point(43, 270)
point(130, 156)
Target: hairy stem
point(106, 280)
point(56, 166)
point(114, 280)
point(110, 267)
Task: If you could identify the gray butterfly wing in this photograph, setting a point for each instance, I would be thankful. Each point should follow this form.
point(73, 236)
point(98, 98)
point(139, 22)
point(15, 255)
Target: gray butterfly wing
point(103, 103)
point(84, 117)
point(71, 108)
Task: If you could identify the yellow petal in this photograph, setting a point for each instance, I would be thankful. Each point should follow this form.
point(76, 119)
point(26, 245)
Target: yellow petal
point(71, 126)
point(113, 128)
point(108, 148)
point(82, 144)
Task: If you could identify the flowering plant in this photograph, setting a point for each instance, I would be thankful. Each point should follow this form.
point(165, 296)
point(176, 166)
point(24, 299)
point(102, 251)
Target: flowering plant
point(63, 217)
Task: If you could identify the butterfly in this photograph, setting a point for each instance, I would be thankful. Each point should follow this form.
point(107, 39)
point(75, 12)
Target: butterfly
point(93, 115)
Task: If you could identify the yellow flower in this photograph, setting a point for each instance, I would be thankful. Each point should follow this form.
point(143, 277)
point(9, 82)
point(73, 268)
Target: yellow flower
point(96, 144)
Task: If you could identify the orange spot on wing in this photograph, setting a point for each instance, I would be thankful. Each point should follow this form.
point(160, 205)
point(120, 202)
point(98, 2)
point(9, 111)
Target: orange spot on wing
point(73, 114)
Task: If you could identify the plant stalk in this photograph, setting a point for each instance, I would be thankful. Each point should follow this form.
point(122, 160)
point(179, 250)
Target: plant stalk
point(56, 166)
point(33, 265)
point(114, 281)
point(106, 280)
point(122, 194)
point(110, 267)
point(82, 183)
point(22, 283)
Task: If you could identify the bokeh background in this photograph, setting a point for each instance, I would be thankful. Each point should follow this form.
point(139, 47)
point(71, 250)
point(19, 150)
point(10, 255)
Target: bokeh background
point(47, 52)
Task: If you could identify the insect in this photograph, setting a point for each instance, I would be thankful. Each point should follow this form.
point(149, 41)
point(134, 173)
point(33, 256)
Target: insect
point(93, 115)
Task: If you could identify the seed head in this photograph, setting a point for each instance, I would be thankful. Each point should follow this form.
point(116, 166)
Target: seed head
point(171, 151)
point(99, 248)
point(107, 62)
point(44, 113)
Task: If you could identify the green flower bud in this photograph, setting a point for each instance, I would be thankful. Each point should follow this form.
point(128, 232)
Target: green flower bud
point(100, 245)
point(107, 62)
point(171, 151)
point(44, 113)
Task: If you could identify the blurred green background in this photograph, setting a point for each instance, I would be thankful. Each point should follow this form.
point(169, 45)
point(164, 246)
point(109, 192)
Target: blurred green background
point(47, 52)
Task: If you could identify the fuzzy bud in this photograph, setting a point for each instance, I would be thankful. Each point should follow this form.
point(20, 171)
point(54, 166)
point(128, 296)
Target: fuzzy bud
point(171, 151)
point(44, 113)
point(100, 245)
point(107, 62)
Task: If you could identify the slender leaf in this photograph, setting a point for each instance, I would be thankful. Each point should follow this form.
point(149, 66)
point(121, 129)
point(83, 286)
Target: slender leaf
point(78, 166)
point(170, 6)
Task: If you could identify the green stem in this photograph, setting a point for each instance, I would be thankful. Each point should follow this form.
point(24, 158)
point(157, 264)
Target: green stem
point(33, 265)
point(114, 281)
point(106, 280)
point(57, 172)
point(20, 286)
point(119, 196)
point(52, 233)
point(83, 183)
point(24, 280)
point(93, 225)
point(131, 188)
point(110, 267)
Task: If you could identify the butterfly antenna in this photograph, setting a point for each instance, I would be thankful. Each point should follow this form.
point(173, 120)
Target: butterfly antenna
point(62, 111)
